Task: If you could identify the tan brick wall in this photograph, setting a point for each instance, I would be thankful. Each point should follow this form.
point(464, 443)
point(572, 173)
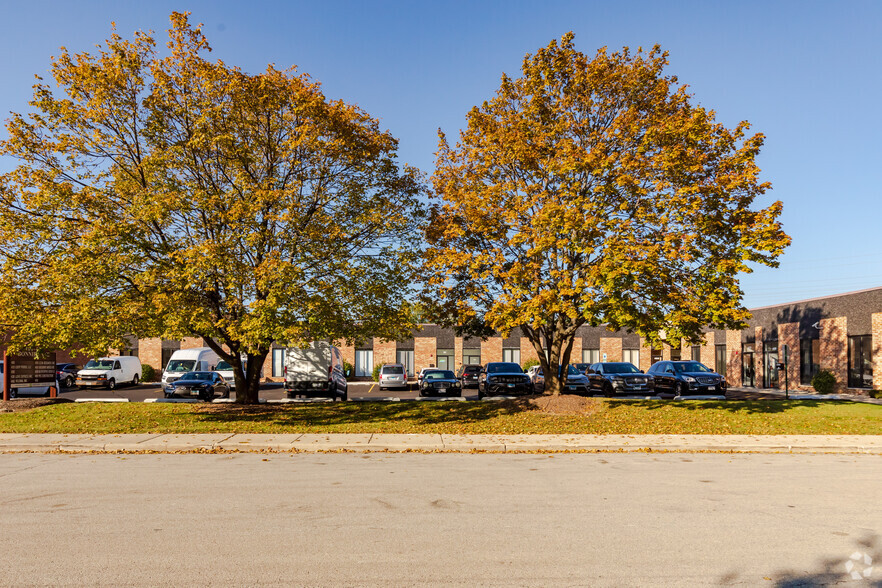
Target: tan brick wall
point(666, 353)
point(268, 369)
point(384, 352)
point(612, 348)
point(457, 353)
point(788, 334)
point(528, 352)
point(424, 353)
point(192, 342)
point(733, 358)
point(150, 352)
point(834, 349)
point(576, 352)
point(348, 353)
point(491, 350)
point(877, 350)
point(645, 355)
point(708, 351)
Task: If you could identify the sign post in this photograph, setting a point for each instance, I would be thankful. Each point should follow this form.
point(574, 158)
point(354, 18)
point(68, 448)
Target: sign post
point(27, 370)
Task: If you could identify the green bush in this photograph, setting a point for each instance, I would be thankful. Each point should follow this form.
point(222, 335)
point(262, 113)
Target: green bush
point(148, 374)
point(376, 374)
point(824, 382)
point(875, 393)
point(348, 369)
point(530, 363)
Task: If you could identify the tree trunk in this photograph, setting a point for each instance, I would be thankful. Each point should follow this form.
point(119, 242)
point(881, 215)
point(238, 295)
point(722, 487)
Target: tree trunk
point(249, 392)
point(559, 343)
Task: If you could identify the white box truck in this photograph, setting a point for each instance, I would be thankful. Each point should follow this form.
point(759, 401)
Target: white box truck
point(316, 370)
point(198, 359)
point(110, 372)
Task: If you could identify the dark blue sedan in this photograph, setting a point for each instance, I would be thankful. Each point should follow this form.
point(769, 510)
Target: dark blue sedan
point(203, 385)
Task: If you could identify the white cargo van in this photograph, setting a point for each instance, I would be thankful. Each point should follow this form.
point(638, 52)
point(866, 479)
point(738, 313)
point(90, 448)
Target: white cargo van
point(226, 370)
point(316, 370)
point(110, 372)
point(199, 359)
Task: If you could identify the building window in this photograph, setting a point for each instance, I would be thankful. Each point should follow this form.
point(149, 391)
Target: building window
point(512, 355)
point(445, 359)
point(471, 357)
point(655, 356)
point(590, 355)
point(632, 356)
point(696, 353)
point(860, 361)
point(364, 363)
point(405, 358)
point(809, 356)
point(720, 359)
point(278, 363)
point(675, 354)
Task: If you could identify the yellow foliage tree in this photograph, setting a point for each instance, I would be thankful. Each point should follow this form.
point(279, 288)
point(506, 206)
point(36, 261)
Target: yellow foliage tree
point(174, 196)
point(592, 191)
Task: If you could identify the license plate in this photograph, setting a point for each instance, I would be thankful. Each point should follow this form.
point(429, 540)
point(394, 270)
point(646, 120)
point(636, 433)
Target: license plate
point(571, 387)
point(510, 385)
point(316, 384)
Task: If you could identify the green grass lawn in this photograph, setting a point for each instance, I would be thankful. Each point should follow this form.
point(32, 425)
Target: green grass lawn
point(765, 417)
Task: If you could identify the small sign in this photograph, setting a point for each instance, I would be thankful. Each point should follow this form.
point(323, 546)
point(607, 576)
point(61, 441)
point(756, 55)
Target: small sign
point(27, 370)
point(604, 357)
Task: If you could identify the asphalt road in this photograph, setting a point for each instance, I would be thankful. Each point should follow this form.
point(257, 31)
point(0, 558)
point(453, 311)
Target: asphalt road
point(438, 519)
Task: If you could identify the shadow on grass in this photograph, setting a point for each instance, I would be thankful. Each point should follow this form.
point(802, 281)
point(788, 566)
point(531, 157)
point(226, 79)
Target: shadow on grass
point(733, 406)
point(363, 413)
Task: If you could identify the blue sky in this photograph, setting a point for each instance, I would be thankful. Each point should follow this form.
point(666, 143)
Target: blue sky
point(806, 74)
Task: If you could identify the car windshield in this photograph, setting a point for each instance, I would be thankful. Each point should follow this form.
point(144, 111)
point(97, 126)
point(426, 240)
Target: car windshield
point(223, 366)
point(393, 370)
point(690, 366)
point(620, 368)
point(195, 376)
point(100, 364)
point(440, 375)
point(180, 365)
point(504, 368)
point(472, 369)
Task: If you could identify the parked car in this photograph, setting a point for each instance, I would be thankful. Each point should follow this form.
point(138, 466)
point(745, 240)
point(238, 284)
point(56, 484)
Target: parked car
point(619, 377)
point(315, 370)
point(683, 377)
point(110, 372)
point(468, 375)
point(502, 377)
point(423, 373)
point(582, 367)
point(226, 370)
point(66, 374)
point(182, 361)
point(440, 383)
point(204, 385)
point(577, 382)
point(393, 375)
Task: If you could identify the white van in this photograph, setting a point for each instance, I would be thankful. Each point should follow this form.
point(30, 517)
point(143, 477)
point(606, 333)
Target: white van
point(226, 370)
point(316, 370)
point(110, 372)
point(199, 359)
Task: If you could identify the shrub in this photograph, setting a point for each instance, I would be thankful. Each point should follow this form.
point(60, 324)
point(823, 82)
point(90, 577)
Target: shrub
point(824, 382)
point(148, 374)
point(348, 369)
point(376, 374)
point(530, 363)
point(875, 393)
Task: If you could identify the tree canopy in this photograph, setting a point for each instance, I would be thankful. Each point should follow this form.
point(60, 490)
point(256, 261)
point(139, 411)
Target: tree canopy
point(594, 191)
point(163, 194)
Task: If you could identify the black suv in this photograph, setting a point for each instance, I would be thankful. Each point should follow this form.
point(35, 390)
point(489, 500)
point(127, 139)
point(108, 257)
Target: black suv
point(468, 375)
point(683, 377)
point(619, 377)
point(503, 378)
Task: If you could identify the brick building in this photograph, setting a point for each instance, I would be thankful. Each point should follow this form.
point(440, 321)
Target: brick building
point(842, 333)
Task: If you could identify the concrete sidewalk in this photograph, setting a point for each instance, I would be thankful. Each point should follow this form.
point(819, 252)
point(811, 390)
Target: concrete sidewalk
point(298, 442)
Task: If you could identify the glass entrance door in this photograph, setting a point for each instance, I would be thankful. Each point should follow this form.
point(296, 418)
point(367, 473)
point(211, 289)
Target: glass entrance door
point(770, 368)
point(748, 370)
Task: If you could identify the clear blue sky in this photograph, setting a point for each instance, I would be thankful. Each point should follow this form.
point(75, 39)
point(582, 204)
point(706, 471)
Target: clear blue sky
point(806, 74)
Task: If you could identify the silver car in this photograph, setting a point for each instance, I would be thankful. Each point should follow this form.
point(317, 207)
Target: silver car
point(393, 375)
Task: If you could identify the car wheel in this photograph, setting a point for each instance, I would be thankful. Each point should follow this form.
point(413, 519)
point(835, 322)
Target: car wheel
point(345, 396)
point(111, 384)
point(480, 393)
point(69, 382)
point(168, 394)
point(681, 389)
point(135, 380)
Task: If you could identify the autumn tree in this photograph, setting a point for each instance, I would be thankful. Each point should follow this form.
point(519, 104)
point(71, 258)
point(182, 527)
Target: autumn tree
point(163, 194)
point(594, 191)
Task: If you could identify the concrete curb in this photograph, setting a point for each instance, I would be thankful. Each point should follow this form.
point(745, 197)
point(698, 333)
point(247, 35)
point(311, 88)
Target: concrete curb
point(368, 442)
